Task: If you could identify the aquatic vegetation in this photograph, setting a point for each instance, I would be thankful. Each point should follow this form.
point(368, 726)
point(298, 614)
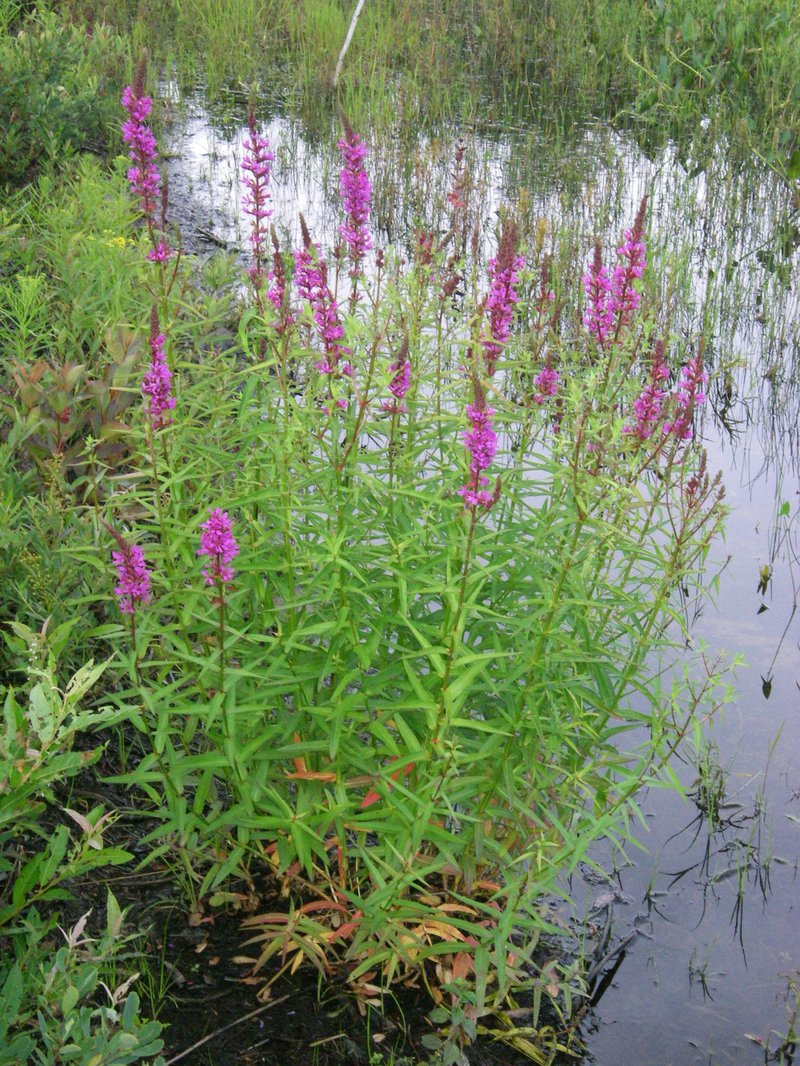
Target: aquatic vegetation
point(675, 68)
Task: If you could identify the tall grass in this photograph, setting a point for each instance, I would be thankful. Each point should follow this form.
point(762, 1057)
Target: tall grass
point(667, 66)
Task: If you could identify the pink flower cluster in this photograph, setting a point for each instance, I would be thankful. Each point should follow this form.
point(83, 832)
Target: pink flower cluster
point(257, 165)
point(398, 386)
point(218, 543)
point(312, 285)
point(144, 175)
point(613, 300)
point(690, 394)
point(648, 405)
point(481, 443)
point(503, 270)
point(625, 298)
point(356, 193)
point(157, 382)
point(161, 253)
point(599, 314)
point(133, 576)
point(546, 384)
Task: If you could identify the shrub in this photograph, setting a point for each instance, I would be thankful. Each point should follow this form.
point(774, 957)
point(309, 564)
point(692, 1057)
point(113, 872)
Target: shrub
point(58, 94)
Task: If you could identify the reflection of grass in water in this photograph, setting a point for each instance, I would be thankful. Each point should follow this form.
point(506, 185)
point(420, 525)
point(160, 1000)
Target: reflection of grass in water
point(737, 845)
point(668, 66)
point(784, 1053)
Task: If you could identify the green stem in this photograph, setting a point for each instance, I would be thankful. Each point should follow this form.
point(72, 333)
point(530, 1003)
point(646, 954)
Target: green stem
point(455, 630)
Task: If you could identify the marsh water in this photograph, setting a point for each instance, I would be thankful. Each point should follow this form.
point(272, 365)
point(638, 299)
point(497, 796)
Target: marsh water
point(712, 896)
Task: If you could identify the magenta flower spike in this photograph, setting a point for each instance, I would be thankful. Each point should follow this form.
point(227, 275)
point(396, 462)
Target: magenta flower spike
point(599, 314)
point(257, 167)
point(648, 405)
point(690, 394)
point(161, 253)
point(502, 295)
point(132, 573)
point(311, 277)
point(399, 385)
point(144, 175)
point(356, 194)
point(546, 384)
point(157, 382)
point(481, 443)
point(218, 543)
point(625, 299)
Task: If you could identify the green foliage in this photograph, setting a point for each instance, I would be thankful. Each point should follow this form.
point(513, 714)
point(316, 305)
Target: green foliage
point(68, 266)
point(49, 1010)
point(67, 262)
point(38, 751)
point(58, 95)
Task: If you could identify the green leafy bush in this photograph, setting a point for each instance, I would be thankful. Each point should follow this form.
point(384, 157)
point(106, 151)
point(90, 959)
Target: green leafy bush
point(49, 1009)
point(434, 645)
point(58, 94)
point(48, 999)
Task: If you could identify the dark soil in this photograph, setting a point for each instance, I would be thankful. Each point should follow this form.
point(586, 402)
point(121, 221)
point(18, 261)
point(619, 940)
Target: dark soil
point(217, 1019)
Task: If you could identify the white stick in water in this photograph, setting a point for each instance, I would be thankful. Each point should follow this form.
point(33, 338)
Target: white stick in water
point(347, 41)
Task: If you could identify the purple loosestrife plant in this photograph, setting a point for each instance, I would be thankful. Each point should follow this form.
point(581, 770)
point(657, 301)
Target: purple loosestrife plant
point(690, 394)
point(398, 387)
point(457, 197)
point(546, 384)
point(161, 253)
point(648, 405)
point(134, 578)
point(279, 290)
point(257, 167)
point(480, 441)
point(157, 382)
point(503, 272)
point(311, 278)
point(599, 314)
point(625, 299)
point(145, 178)
point(613, 300)
point(144, 175)
point(218, 543)
point(356, 193)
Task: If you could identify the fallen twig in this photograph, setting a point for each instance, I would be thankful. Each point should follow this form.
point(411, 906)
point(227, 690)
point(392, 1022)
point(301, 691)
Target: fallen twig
point(224, 1029)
